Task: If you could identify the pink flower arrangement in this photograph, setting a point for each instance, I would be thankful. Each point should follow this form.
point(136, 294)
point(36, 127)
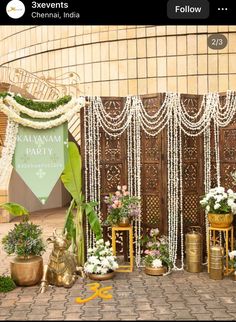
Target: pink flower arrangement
point(121, 204)
point(157, 249)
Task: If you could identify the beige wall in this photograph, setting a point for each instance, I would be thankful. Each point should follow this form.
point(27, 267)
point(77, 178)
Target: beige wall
point(122, 60)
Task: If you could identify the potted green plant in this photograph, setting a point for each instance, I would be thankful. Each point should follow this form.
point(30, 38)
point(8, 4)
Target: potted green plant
point(122, 207)
point(25, 241)
point(220, 206)
point(157, 259)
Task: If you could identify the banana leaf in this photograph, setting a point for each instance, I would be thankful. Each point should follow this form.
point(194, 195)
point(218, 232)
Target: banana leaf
point(69, 225)
point(71, 176)
point(14, 209)
point(93, 219)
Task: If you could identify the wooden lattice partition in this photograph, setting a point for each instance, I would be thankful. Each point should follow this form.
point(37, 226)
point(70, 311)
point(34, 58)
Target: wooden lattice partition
point(113, 156)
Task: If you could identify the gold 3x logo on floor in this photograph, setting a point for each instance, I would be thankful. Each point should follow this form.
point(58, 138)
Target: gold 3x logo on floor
point(15, 9)
point(98, 292)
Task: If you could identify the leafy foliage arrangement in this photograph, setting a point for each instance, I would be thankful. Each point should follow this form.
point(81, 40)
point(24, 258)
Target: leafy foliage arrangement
point(39, 106)
point(25, 238)
point(6, 284)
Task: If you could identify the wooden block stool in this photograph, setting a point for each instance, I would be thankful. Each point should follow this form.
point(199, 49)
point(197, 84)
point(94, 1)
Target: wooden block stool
point(130, 267)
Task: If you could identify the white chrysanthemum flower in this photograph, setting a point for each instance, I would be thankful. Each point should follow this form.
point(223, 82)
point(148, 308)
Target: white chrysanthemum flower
point(230, 202)
point(208, 208)
point(105, 262)
point(97, 269)
point(157, 263)
point(216, 206)
point(93, 260)
point(107, 243)
point(110, 258)
point(114, 266)
point(88, 268)
point(100, 242)
point(203, 202)
point(219, 198)
point(230, 192)
point(232, 254)
point(220, 189)
point(233, 209)
point(104, 270)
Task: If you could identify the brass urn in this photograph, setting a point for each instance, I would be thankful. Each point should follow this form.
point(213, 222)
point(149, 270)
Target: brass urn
point(193, 249)
point(26, 271)
point(220, 220)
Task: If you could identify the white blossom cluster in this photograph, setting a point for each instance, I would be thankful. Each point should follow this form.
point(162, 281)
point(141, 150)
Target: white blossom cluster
point(218, 200)
point(100, 259)
point(157, 263)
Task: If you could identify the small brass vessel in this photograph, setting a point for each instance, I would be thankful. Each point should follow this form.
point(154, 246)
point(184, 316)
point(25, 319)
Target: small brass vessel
point(124, 222)
point(101, 277)
point(155, 271)
point(216, 262)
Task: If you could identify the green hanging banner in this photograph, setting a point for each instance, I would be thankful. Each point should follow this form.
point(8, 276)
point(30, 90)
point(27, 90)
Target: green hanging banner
point(40, 157)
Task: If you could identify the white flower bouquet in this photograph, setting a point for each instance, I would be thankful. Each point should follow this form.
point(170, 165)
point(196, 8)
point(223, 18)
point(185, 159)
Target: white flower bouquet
point(100, 259)
point(219, 201)
point(232, 259)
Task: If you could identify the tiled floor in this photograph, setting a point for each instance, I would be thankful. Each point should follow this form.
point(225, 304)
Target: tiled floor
point(136, 296)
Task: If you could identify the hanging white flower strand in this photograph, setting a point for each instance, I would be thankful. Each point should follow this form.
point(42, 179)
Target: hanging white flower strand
point(8, 152)
point(14, 116)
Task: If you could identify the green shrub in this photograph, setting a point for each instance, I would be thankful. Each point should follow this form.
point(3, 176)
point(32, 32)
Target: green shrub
point(6, 284)
point(24, 239)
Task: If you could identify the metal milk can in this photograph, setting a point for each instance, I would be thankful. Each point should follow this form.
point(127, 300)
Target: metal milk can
point(193, 249)
point(216, 271)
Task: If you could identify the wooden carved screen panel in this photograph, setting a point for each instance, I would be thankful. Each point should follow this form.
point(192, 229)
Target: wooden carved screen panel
point(193, 172)
point(113, 159)
point(228, 153)
point(153, 171)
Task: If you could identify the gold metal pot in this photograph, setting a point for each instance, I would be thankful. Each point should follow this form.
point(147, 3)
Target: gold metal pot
point(26, 271)
point(124, 222)
point(155, 271)
point(193, 246)
point(101, 277)
point(220, 220)
point(216, 271)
